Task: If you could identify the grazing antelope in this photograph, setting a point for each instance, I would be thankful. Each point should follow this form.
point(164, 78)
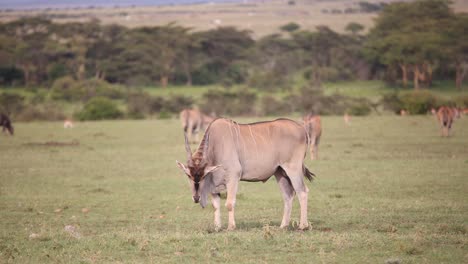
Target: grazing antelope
point(68, 123)
point(193, 121)
point(347, 119)
point(230, 152)
point(456, 112)
point(313, 127)
point(445, 116)
point(403, 112)
point(5, 123)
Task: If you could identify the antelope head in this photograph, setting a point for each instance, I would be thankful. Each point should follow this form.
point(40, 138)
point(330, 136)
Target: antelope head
point(196, 169)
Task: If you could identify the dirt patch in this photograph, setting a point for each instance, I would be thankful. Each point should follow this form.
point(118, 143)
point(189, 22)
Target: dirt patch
point(73, 143)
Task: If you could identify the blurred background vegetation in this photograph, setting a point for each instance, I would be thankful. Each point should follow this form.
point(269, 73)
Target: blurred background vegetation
point(414, 57)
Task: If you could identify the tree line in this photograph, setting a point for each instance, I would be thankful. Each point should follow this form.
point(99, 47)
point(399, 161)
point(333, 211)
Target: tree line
point(421, 41)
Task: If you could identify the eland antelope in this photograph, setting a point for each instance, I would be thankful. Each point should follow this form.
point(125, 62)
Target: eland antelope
point(230, 152)
point(5, 123)
point(445, 116)
point(193, 121)
point(313, 126)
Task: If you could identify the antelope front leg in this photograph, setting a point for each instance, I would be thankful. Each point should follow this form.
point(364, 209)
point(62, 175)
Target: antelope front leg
point(303, 196)
point(216, 201)
point(231, 202)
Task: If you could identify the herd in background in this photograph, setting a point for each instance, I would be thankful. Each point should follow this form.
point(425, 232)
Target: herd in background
point(194, 121)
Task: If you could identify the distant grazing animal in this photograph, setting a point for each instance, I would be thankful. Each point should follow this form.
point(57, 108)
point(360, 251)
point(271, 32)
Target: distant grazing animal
point(445, 116)
point(313, 125)
point(456, 112)
point(230, 152)
point(403, 112)
point(347, 119)
point(68, 123)
point(193, 121)
point(5, 123)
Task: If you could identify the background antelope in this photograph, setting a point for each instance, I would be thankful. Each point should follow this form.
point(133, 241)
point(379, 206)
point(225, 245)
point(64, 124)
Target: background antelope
point(5, 123)
point(445, 116)
point(313, 125)
point(193, 121)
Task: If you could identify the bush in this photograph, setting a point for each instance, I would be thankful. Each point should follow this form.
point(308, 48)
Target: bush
point(11, 103)
point(360, 108)
point(67, 88)
point(43, 112)
point(139, 104)
point(272, 106)
point(415, 102)
point(461, 101)
point(99, 108)
point(229, 102)
point(419, 102)
point(312, 100)
point(392, 102)
point(176, 103)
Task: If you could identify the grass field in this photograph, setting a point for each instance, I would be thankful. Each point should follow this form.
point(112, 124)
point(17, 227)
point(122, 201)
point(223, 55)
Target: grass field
point(388, 189)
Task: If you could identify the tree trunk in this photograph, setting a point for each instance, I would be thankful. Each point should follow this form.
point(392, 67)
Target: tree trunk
point(188, 75)
point(81, 72)
point(27, 75)
point(460, 72)
point(429, 72)
point(404, 74)
point(416, 77)
point(164, 81)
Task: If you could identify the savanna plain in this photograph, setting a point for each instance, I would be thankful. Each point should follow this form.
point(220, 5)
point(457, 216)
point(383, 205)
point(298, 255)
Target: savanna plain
point(389, 189)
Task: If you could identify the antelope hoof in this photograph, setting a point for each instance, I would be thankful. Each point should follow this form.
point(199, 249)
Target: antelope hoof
point(231, 228)
point(303, 227)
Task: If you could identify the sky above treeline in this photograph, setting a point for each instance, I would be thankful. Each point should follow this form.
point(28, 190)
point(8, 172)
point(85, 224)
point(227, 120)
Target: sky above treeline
point(31, 4)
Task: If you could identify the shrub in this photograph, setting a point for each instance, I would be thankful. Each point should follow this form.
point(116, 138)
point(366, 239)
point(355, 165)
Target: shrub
point(312, 100)
point(392, 102)
point(99, 108)
point(67, 88)
point(415, 102)
point(419, 102)
point(461, 101)
point(43, 112)
point(360, 108)
point(11, 103)
point(139, 104)
point(230, 102)
point(176, 103)
point(272, 106)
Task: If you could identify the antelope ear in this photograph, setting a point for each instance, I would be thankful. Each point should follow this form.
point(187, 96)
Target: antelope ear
point(183, 168)
point(210, 169)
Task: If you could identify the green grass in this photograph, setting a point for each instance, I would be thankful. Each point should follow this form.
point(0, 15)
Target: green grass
point(387, 188)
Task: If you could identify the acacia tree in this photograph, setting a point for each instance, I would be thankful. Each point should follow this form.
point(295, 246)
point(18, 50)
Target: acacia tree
point(223, 48)
point(31, 37)
point(409, 35)
point(319, 48)
point(457, 48)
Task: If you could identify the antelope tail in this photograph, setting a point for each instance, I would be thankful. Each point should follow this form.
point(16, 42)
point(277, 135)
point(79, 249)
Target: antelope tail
point(309, 175)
